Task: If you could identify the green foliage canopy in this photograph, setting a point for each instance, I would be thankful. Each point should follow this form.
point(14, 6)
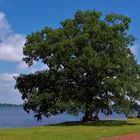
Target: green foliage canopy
point(89, 67)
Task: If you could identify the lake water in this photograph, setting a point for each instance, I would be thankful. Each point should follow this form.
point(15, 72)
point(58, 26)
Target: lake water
point(15, 117)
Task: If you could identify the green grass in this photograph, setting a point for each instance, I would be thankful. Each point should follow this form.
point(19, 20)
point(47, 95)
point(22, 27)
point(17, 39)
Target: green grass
point(73, 131)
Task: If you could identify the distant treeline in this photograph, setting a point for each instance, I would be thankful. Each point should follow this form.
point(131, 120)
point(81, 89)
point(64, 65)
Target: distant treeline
point(10, 105)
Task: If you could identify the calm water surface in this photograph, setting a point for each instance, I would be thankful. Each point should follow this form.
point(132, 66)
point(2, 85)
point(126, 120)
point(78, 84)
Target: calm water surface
point(14, 117)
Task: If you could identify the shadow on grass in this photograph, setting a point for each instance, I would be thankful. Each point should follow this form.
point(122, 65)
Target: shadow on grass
point(98, 123)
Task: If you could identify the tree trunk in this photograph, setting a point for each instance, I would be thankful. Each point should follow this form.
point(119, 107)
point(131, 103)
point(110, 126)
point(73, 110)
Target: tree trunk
point(88, 117)
point(88, 113)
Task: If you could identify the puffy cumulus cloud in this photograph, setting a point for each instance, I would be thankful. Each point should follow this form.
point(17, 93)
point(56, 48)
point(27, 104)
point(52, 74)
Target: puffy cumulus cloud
point(37, 66)
point(134, 49)
point(5, 28)
point(7, 76)
point(11, 48)
point(22, 66)
point(8, 94)
point(11, 43)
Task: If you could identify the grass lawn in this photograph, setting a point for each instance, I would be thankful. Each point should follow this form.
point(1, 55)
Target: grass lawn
point(72, 131)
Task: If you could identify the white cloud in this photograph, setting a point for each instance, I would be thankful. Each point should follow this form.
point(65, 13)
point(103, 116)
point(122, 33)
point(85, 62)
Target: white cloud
point(10, 43)
point(8, 94)
point(38, 66)
point(8, 76)
point(4, 27)
point(134, 49)
point(22, 66)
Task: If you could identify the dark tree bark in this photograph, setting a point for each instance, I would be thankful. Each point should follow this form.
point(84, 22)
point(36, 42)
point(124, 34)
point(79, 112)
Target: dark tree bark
point(88, 117)
point(88, 113)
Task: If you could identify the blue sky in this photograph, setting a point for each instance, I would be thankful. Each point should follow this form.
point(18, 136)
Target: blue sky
point(21, 17)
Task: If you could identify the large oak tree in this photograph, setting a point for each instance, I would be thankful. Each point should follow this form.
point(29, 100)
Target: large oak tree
point(90, 67)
